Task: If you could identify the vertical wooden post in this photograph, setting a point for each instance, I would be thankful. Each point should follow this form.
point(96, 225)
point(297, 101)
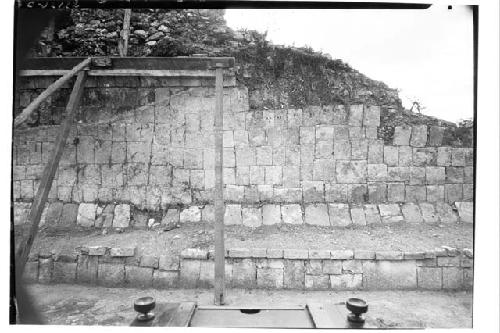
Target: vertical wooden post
point(48, 173)
point(219, 188)
point(123, 42)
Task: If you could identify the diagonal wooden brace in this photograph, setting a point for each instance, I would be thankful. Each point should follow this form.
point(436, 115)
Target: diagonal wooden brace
point(48, 174)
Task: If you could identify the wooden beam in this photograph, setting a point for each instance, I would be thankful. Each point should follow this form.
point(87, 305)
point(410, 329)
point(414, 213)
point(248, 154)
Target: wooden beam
point(123, 42)
point(126, 72)
point(48, 173)
point(49, 91)
point(219, 188)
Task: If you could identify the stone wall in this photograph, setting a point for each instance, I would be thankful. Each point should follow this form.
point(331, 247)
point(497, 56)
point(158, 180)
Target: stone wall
point(439, 269)
point(146, 145)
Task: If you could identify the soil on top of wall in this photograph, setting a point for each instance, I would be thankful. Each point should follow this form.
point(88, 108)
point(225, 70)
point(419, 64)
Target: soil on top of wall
point(399, 236)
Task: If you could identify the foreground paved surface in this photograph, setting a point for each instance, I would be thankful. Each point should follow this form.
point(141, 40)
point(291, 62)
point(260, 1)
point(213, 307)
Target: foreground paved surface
point(65, 304)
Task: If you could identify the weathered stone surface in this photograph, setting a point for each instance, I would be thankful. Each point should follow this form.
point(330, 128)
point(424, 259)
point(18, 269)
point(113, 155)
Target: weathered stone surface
point(415, 193)
point(342, 254)
point(435, 193)
point(358, 216)
point(111, 275)
point(465, 211)
point(332, 266)
point(453, 193)
point(238, 253)
point(445, 213)
point(149, 261)
point(53, 214)
point(64, 272)
point(122, 251)
point(121, 217)
point(274, 253)
point(244, 273)
point(168, 263)
point(352, 266)
point(270, 278)
point(319, 254)
point(339, 215)
point(452, 278)
point(314, 267)
point(139, 276)
point(346, 281)
point(448, 261)
point(396, 192)
point(317, 282)
point(317, 214)
point(271, 214)
point(387, 210)
point(194, 253)
point(87, 269)
point(96, 250)
point(291, 214)
point(207, 273)
point(413, 255)
point(418, 136)
point(402, 136)
point(86, 215)
point(468, 278)
point(411, 213)
point(429, 277)
point(295, 254)
point(294, 274)
point(377, 172)
point(363, 254)
point(232, 215)
point(251, 217)
point(189, 273)
point(165, 279)
point(372, 214)
point(372, 116)
point(191, 214)
point(389, 275)
point(389, 255)
point(351, 171)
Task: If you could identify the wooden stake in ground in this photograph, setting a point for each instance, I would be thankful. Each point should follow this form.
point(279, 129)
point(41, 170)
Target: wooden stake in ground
point(219, 188)
point(48, 174)
point(123, 42)
point(24, 115)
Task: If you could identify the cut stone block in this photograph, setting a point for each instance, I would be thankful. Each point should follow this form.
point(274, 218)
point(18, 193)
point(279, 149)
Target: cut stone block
point(332, 266)
point(428, 212)
point(352, 266)
point(402, 136)
point(418, 136)
point(391, 275)
point(170, 217)
point(232, 215)
point(358, 216)
point(244, 273)
point(69, 214)
point(411, 213)
point(317, 214)
point(351, 171)
point(465, 211)
point(371, 116)
point(291, 214)
point(436, 134)
point(122, 216)
point(372, 214)
point(189, 273)
point(86, 214)
point(111, 275)
point(342, 254)
point(339, 215)
point(445, 213)
point(251, 217)
point(165, 279)
point(64, 272)
point(429, 277)
point(452, 278)
point(294, 274)
point(317, 282)
point(271, 214)
point(191, 214)
point(387, 210)
point(270, 278)
point(346, 281)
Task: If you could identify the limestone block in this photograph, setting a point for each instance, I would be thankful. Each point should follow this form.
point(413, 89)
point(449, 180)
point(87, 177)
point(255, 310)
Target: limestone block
point(86, 214)
point(453, 193)
point(294, 117)
point(468, 192)
point(251, 217)
point(371, 132)
point(387, 210)
point(342, 254)
point(332, 266)
point(324, 133)
point(317, 214)
point(291, 176)
point(417, 176)
point(86, 271)
point(324, 169)
point(317, 282)
point(389, 255)
point(64, 272)
point(389, 275)
point(435, 175)
point(436, 134)
point(313, 191)
point(339, 215)
point(429, 277)
point(415, 193)
point(191, 214)
point(398, 174)
point(363, 254)
point(274, 253)
point(424, 156)
point(418, 136)
point(165, 280)
point(428, 212)
point(45, 270)
point(291, 214)
point(377, 172)
point(346, 281)
point(359, 149)
point(171, 217)
point(351, 171)
point(352, 266)
point(139, 276)
point(358, 216)
point(271, 214)
point(376, 152)
point(168, 263)
point(405, 156)
point(122, 251)
point(435, 193)
point(69, 214)
point(372, 214)
point(402, 136)
point(355, 115)
point(448, 261)
point(465, 211)
point(452, 278)
point(245, 156)
point(287, 194)
point(122, 216)
point(377, 192)
point(111, 275)
point(194, 253)
point(396, 192)
point(411, 213)
point(207, 273)
point(445, 213)
point(270, 278)
point(444, 156)
point(244, 273)
point(295, 254)
point(372, 116)
point(257, 175)
point(391, 155)
point(336, 192)
point(458, 157)
point(307, 135)
point(294, 274)
point(264, 155)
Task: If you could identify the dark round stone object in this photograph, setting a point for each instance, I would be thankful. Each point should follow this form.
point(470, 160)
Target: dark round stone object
point(144, 305)
point(357, 306)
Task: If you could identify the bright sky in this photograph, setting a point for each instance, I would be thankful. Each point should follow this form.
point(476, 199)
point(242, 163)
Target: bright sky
point(427, 54)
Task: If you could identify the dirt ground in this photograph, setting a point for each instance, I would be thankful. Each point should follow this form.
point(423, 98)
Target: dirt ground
point(83, 305)
point(401, 236)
